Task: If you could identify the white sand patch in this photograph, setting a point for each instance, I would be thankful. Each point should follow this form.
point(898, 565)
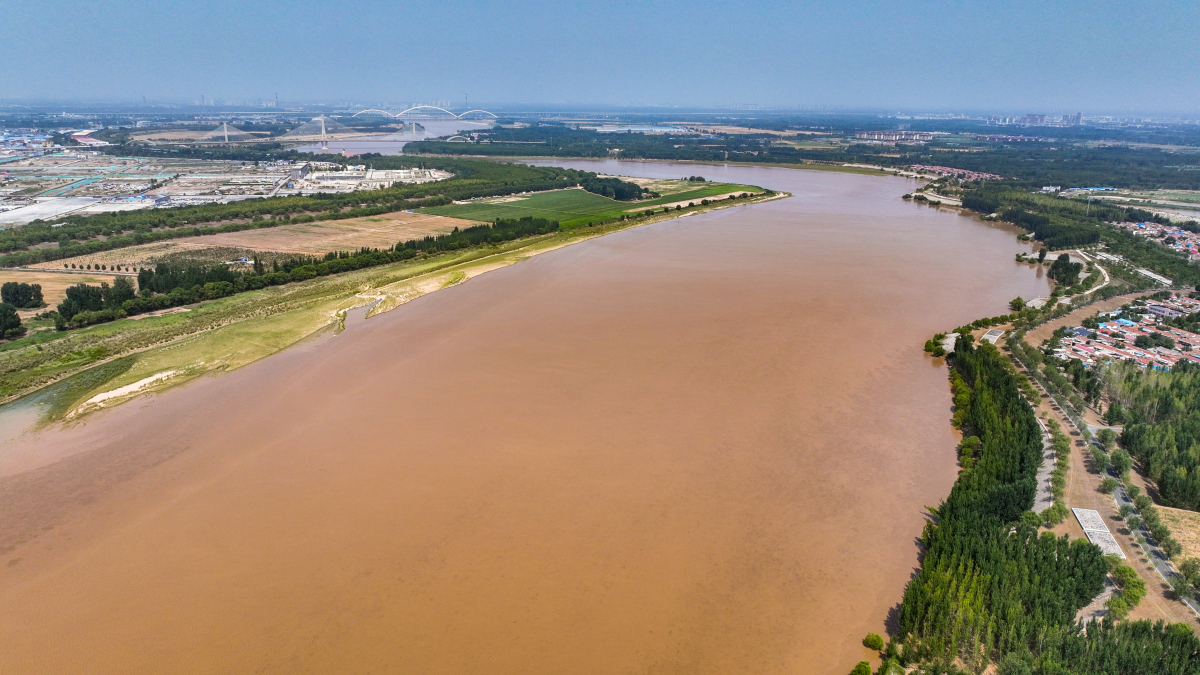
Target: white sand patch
point(128, 389)
point(690, 202)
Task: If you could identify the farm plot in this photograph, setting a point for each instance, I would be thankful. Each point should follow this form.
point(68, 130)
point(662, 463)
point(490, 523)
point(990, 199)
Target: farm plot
point(269, 244)
point(574, 207)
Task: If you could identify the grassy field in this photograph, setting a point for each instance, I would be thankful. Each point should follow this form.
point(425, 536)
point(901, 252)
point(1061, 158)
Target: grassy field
point(574, 207)
point(232, 332)
point(54, 285)
point(1185, 527)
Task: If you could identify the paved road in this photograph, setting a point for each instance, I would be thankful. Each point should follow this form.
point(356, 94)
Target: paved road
point(1157, 560)
point(1044, 498)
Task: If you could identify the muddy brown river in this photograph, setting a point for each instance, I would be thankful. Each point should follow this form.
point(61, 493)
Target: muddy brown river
point(700, 446)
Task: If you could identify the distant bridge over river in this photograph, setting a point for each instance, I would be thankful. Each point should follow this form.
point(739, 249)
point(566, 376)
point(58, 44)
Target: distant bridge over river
point(427, 112)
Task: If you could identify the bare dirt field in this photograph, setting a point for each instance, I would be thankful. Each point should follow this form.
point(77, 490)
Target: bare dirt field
point(148, 255)
point(54, 285)
point(725, 129)
point(173, 135)
point(304, 238)
point(336, 235)
point(1185, 527)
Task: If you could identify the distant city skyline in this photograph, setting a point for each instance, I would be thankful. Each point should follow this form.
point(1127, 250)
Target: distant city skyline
point(1052, 58)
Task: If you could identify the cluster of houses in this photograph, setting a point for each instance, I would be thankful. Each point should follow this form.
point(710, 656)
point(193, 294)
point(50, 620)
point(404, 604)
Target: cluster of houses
point(1170, 236)
point(962, 174)
point(1116, 338)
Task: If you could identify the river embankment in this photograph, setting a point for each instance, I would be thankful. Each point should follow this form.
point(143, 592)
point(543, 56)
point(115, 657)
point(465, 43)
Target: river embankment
point(701, 445)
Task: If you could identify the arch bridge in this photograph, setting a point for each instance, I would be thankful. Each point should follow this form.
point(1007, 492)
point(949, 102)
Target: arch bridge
point(376, 112)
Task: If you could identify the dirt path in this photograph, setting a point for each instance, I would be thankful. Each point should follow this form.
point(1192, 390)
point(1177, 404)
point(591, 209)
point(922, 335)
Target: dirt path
point(1082, 491)
point(1036, 336)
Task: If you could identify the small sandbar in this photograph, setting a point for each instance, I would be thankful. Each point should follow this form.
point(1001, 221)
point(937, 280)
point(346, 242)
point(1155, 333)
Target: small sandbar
point(128, 389)
point(691, 202)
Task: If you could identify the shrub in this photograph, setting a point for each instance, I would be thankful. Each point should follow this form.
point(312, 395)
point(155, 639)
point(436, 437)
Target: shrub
point(863, 668)
point(873, 641)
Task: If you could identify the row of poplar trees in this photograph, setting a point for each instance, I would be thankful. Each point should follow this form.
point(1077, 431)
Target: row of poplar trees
point(990, 587)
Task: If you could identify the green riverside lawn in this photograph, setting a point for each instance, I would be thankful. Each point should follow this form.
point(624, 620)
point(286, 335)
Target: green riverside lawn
point(575, 207)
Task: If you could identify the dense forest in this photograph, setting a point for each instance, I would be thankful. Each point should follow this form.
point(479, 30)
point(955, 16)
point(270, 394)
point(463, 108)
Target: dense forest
point(1161, 412)
point(990, 588)
point(86, 304)
point(989, 584)
point(82, 235)
point(1065, 223)
point(1065, 272)
point(613, 188)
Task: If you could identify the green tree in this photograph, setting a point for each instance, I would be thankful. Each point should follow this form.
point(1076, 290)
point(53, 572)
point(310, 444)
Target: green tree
point(1107, 438)
point(1182, 588)
point(1016, 304)
point(873, 641)
point(1108, 485)
point(21, 295)
point(10, 322)
point(1013, 664)
point(863, 668)
point(1171, 548)
point(1120, 461)
point(1190, 569)
point(118, 293)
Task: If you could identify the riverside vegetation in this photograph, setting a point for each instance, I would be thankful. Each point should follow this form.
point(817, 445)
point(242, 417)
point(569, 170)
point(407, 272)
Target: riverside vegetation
point(990, 589)
point(172, 286)
point(299, 297)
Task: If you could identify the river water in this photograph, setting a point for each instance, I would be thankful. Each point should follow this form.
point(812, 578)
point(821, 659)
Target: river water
point(699, 446)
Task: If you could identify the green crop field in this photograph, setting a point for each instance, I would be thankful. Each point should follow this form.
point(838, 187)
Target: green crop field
point(574, 207)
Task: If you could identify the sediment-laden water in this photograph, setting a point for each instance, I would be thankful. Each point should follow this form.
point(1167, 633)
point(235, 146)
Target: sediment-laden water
point(700, 446)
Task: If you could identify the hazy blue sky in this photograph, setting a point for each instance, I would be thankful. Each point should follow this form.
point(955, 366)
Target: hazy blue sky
point(1014, 55)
